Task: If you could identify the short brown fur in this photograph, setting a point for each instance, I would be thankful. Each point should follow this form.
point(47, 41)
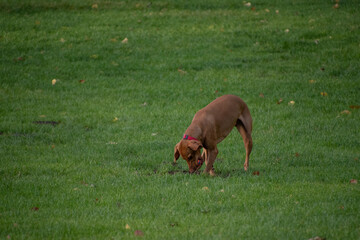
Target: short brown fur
point(210, 126)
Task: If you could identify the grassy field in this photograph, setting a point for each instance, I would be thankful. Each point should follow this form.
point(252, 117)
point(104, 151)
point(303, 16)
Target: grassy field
point(94, 95)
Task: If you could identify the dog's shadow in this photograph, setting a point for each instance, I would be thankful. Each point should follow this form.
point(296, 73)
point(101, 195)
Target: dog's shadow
point(172, 168)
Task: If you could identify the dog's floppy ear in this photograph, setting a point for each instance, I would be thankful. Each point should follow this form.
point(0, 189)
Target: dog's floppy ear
point(195, 145)
point(176, 152)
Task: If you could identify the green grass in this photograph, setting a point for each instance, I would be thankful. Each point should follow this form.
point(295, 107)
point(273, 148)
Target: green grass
point(91, 174)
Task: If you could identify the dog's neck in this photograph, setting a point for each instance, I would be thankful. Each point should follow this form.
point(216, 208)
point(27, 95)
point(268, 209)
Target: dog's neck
point(195, 132)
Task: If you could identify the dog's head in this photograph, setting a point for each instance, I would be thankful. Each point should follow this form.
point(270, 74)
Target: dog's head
point(189, 151)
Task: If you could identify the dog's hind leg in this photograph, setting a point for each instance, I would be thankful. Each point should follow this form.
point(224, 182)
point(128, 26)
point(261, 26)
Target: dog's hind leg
point(244, 127)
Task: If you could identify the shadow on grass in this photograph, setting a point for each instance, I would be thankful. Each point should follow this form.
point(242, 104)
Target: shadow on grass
point(170, 168)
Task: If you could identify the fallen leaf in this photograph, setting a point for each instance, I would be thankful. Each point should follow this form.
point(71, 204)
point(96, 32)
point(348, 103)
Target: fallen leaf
point(19, 59)
point(247, 4)
point(316, 41)
point(52, 146)
point(222, 190)
point(42, 116)
point(35, 209)
point(81, 81)
point(291, 103)
point(144, 104)
point(62, 40)
point(256, 173)
point(353, 181)
point(279, 101)
point(277, 11)
point(297, 154)
point(113, 40)
point(8, 237)
point(94, 56)
point(125, 40)
point(261, 95)
point(153, 134)
point(138, 233)
point(267, 10)
point(336, 6)
point(341, 207)
point(112, 143)
point(37, 22)
point(287, 30)
point(312, 81)
point(127, 226)
point(115, 119)
point(346, 112)
point(94, 6)
point(182, 71)
point(205, 188)
point(84, 183)
point(354, 106)
point(324, 94)
point(317, 238)
point(53, 82)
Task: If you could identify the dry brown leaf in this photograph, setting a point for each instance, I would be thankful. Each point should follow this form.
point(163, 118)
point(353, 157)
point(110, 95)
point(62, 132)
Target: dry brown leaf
point(35, 209)
point(346, 112)
point(317, 238)
point(279, 101)
point(355, 107)
point(324, 94)
point(126, 40)
point(138, 233)
point(182, 71)
point(353, 181)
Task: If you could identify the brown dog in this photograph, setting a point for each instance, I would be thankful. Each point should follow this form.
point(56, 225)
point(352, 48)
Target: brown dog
point(209, 127)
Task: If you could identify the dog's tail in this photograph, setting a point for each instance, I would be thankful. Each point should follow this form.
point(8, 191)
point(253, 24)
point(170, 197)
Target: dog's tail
point(246, 120)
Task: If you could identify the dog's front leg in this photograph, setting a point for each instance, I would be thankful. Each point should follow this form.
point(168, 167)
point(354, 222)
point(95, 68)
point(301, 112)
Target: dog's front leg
point(210, 159)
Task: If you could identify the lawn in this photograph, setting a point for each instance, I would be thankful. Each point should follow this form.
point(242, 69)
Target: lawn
point(94, 95)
